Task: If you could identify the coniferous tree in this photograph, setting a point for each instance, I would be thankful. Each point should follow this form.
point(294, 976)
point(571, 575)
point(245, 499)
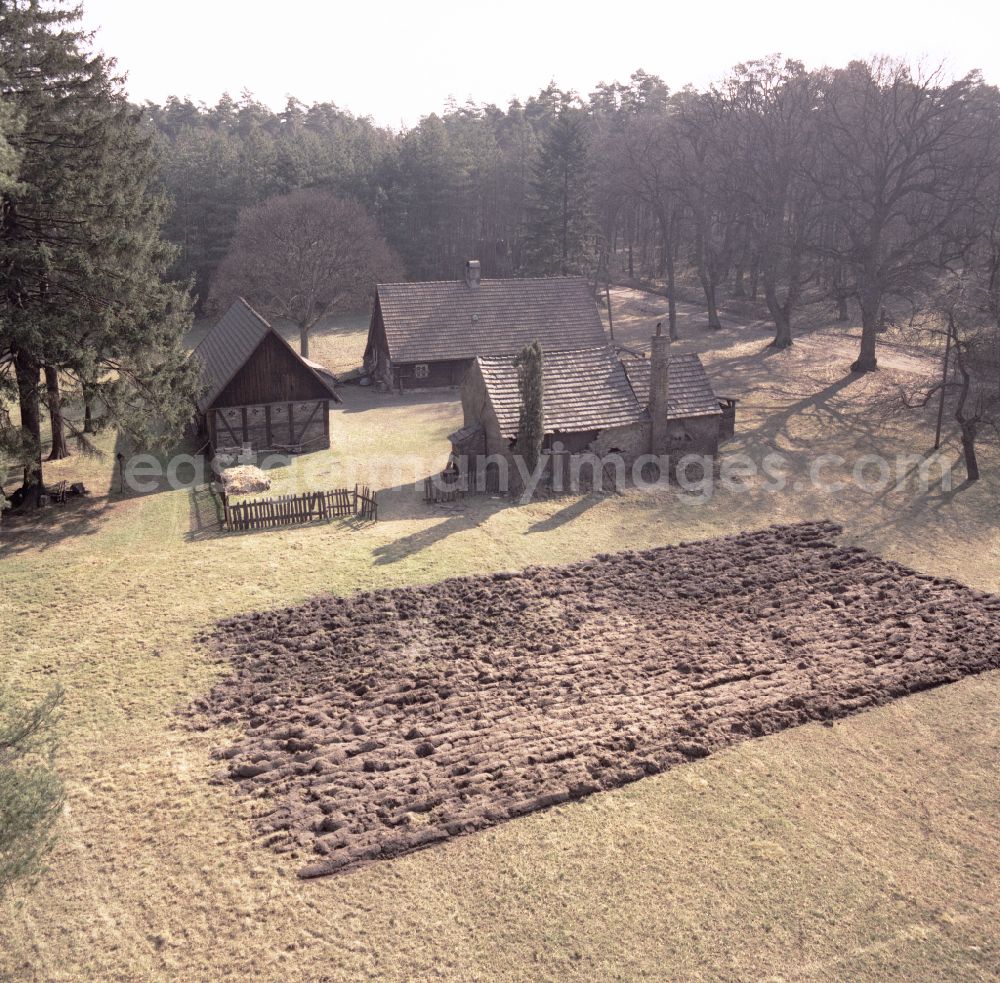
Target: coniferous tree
point(82, 293)
point(559, 231)
point(531, 423)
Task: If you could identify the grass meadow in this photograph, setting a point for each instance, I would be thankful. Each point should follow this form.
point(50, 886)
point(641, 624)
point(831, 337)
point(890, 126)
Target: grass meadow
point(860, 851)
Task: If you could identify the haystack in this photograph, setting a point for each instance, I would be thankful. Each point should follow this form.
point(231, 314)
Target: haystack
point(245, 480)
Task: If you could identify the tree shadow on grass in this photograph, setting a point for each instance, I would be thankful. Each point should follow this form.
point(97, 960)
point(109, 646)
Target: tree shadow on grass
point(774, 429)
point(51, 525)
point(405, 503)
point(573, 510)
point(407, 546)
point(205, 511)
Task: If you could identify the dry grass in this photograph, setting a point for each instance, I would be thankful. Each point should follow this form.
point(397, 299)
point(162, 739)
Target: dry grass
point(863, 851)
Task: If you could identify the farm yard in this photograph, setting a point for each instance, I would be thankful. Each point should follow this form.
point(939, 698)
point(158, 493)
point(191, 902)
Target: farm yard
point(851, 851)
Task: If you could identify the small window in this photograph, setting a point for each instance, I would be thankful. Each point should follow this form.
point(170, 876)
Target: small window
point(421, 370)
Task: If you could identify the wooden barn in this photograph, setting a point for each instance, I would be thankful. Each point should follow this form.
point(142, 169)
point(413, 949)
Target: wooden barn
point(259, 393)
point(598, 400)
point(426, 335)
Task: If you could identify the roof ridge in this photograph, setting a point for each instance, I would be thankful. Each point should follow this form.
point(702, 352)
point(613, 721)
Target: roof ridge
point(488, 279)
point(253, 310)
point(549, 351)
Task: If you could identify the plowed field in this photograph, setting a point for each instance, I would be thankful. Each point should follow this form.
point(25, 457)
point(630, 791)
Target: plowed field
point(391, 720)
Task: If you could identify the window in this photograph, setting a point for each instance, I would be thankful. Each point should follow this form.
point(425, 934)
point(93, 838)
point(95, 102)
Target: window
point(421, 370)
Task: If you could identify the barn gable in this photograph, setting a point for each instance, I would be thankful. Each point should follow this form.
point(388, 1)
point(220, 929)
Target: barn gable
point(259, 392)
point(273, 373)
point(244, 360)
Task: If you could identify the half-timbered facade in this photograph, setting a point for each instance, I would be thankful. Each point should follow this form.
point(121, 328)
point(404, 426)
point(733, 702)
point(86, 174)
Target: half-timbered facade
point(259, 393)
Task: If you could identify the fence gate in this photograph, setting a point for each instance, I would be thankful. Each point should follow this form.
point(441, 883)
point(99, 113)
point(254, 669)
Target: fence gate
point(365, 503)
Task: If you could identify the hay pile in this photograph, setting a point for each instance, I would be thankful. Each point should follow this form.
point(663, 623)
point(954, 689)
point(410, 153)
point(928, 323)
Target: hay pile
point(245, 480)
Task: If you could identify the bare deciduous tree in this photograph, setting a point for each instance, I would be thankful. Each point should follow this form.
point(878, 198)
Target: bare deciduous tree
point(648, 172)
point(967, 313)
point(707, 146)
point(773, 104)
point(303, 256)
point(894, 173)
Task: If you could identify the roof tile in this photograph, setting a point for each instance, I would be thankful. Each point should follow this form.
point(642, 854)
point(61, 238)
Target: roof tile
point(689, 390)
point(585, 389)
point(447, 319)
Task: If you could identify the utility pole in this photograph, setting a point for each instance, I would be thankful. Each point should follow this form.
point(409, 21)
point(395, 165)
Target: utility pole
point(944, 386)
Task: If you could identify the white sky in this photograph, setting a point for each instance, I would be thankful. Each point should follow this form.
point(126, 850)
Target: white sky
point(399, 61)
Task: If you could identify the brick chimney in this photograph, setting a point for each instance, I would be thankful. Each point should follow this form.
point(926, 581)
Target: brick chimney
point(659, 371)
point(473, 274)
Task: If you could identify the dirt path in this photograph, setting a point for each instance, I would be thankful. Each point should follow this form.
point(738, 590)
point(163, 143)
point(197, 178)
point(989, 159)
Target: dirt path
point(391, 720)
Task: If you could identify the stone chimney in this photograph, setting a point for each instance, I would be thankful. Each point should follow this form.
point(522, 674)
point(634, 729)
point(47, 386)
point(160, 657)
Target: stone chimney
point(473, 274)
point(659, 371)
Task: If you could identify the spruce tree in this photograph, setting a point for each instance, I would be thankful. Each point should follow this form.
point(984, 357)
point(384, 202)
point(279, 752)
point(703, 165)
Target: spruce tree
point(559, 237)
point(82, 263)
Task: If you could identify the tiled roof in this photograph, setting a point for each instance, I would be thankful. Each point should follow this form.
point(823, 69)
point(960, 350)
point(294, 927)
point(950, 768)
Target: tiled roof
point(582, 390)
point(689, 391)
point(426, 322)
point(230, 343)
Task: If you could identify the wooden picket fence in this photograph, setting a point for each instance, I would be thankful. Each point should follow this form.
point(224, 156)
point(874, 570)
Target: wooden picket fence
point(288, 510)
point(365, 503)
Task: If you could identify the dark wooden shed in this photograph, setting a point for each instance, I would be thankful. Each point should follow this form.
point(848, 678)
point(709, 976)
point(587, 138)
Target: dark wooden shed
point(259, 392)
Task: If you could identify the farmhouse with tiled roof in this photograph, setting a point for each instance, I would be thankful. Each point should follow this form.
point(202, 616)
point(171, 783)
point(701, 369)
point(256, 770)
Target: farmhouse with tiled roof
point(599, 400)
point(426, 335)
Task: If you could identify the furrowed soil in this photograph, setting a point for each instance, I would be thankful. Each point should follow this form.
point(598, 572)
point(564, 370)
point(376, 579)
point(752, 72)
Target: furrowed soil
point(394, 719)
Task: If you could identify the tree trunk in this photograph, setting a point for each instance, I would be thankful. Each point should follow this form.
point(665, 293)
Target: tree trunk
point(969, 426)
point(304, 342)
point(671, 295)
point(565, 224)
point(26, 371)
point(969, 451)
point(739, 290)
point(840, 295)
point(866, 361)
point(668, 262)
point(88, 410)
point(713, 311)
point(59, 448)
point(780, 315)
